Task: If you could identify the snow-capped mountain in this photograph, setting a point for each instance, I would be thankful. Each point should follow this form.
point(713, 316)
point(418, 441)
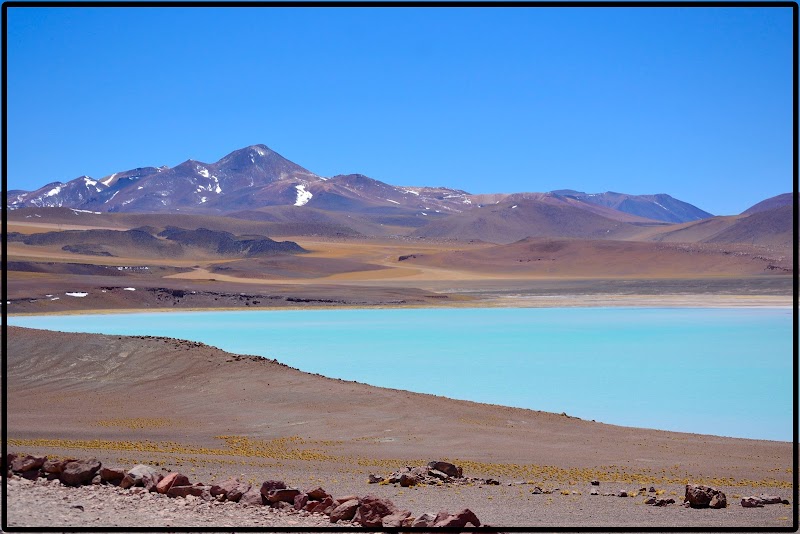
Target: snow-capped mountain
point(257, 177)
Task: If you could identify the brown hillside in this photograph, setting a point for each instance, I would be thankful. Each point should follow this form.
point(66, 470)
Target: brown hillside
point(511, 221)
point(595, 258)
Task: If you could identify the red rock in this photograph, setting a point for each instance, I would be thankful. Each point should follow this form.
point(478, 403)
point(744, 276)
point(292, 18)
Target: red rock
point(372, 510)
point(325, 506)
point(172, 479)
point(752, 502)
point(700, 496)
point(79, 472)
point(27, 463)
point(300, 501)
point(407, 480)
point(718, 501)
point(317, 494)
point(282, 495)
point(54, 466)
point(446, 468)
point(112, 475)
point(344, 511)
point(141, 475)
point(396, 519)
point(425, 520)
point(252, 497)
point(184, 491)
point(232, 489)
point(340, 500)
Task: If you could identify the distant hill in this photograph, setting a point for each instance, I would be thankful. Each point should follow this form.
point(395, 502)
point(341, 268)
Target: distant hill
point(767, 227)
point(511, 221)
point(659, 207)
point(786, 199)
point(141, 241)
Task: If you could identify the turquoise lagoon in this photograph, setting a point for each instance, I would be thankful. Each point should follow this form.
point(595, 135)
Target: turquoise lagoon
point(712, 371)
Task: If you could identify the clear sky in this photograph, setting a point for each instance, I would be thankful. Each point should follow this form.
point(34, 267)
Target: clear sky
point(694, 102)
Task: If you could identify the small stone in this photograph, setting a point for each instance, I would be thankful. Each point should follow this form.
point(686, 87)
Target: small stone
point(375, 479)
point(595, 482)
point(622, 493)
point(752, 502)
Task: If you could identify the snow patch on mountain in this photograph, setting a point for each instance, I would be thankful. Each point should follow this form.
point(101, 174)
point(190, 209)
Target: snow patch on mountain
point(303, 196)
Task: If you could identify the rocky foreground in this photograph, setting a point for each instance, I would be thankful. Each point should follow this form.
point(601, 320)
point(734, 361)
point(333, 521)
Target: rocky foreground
point(314, 506)
point(82, 492)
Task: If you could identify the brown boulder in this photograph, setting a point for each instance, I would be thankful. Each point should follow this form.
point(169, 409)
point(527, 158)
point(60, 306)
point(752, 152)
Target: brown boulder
point(54, 466)
point(718, 501)
point(232, 489)
point(20, 464)
point(270, 485)
point(282, 495)
point(344, 511)
point(325, 506)
point(112, 475)
point(340, 500)
point(407, 480)
point(184, 491)
point(300, 501)
point(459, 519)
point(398, 519)
point(252, 497)
point(172, 479)
point(446, 468)
point(425, 520)
point(372, 510)
point(141, 475)
point(317, 494)
point(699, 496)
point(79, 472)
point(770, 499)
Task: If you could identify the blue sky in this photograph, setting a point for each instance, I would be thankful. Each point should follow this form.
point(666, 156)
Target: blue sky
point(694, 102)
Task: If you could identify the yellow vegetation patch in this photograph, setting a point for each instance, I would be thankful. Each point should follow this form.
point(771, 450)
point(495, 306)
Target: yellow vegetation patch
point(135, 423)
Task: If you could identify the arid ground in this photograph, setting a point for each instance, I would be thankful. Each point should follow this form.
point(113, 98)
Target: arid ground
point(210, 414)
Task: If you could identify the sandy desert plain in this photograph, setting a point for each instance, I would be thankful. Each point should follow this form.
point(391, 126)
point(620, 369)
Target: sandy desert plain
point(193, 408)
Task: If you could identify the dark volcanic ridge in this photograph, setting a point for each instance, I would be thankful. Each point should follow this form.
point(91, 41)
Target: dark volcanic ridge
point(150, 241)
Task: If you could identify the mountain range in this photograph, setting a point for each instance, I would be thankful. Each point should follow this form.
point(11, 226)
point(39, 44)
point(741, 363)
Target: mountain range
point(256, 183)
